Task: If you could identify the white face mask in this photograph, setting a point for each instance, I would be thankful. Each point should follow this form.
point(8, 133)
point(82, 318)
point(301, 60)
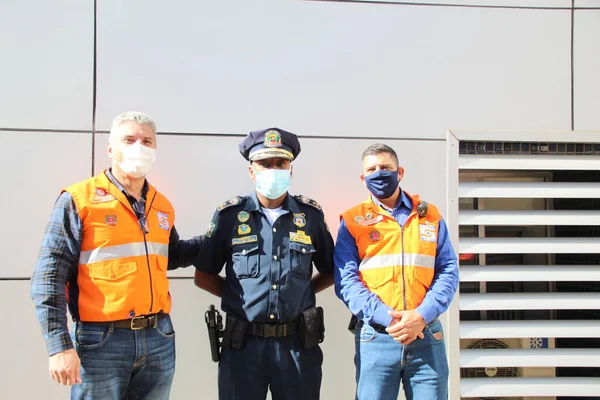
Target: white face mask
point(273, 183)
point(137, 160)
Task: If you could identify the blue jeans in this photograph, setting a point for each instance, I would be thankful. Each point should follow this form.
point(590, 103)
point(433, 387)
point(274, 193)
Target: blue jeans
point(382, 363)
point(283, 365)
point(124, 364)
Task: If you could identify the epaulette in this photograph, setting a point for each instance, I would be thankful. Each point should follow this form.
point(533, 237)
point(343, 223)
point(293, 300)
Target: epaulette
point(231, 202)
point(310, 202)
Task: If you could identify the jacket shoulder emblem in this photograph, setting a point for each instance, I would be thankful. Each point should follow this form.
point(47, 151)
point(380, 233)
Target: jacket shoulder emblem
point(310, 202)
point(231, 202)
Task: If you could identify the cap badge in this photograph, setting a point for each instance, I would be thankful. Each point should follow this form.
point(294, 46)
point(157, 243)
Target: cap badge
point(272, 138)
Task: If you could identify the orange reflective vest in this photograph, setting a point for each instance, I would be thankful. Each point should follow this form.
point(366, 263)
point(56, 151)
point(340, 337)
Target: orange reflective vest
point(397, 264)
point(122, 272)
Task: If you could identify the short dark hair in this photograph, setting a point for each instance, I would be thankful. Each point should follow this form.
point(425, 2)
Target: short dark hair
point(379, 148)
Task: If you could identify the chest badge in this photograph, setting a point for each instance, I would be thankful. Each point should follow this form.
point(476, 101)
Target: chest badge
point(163, 221)
point(427, 233)
point(244, 229)
point(374, 235)
point(358, 219)
point(300, 220)
point(110, 219)
point(243, 216)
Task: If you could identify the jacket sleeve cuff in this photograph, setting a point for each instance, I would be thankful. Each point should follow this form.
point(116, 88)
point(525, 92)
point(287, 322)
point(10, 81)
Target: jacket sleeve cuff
point(427, 313)
point(58, 343)
point(382, 317)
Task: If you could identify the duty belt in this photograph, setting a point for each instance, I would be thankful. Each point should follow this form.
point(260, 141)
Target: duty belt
point(135, 323)
point(272, 330)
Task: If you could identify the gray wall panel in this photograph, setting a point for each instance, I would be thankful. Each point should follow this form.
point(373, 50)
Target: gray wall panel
point(587, 3)
point(25, 376)
point(47, 64)
point(38, 166)
point(334, 68)
point(503, 3)
point(587, 65)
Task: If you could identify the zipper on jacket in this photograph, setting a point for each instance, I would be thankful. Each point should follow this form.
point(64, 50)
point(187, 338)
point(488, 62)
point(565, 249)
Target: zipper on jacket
point(403, 279)
point(149, 273)
point(147, 213)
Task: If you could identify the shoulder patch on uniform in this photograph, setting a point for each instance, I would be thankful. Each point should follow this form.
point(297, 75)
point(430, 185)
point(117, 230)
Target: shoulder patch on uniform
point(231, 202)
point(310, 202)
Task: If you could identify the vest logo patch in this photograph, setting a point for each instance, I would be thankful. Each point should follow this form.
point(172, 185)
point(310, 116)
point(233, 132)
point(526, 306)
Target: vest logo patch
point(427, 233)
point(374, 235)
point(110, 219)
point(163, 221)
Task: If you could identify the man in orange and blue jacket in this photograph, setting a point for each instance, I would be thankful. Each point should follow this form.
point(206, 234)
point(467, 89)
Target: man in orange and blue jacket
point(396, 270)
point(105, 255)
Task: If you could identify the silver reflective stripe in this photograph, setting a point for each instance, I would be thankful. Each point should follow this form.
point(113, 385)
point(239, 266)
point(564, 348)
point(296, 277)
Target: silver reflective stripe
point(123, 250)
point(391, 260)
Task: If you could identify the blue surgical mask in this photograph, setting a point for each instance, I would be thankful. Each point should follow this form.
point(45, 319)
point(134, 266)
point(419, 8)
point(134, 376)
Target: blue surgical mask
point(382, 184)
point(273, 183)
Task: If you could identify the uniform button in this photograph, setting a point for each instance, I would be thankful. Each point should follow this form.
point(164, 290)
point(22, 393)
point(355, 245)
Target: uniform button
point(304, 250)
point(274, 229)
point(274, 257)
point(274, 286)
point(243, 252)
point(272, 316)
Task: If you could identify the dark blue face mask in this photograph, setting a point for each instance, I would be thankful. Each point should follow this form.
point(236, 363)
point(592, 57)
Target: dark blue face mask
point(382, 184)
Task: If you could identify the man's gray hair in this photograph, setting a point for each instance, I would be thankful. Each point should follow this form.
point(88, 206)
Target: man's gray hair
point(135, 116)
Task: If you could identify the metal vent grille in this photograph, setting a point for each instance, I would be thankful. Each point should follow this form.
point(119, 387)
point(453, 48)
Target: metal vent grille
point(529, 148)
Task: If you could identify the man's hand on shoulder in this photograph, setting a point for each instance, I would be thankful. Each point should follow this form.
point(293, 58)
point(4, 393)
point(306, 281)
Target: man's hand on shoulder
point(406, 326)
point(64, 367)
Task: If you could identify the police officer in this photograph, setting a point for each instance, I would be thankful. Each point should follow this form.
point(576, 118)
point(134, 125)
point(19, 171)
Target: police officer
point(268, 242)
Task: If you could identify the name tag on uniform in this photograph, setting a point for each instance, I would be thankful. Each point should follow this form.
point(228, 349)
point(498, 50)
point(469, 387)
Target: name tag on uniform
point(242, 240)
point(101, 196)
point(300, 237)
point(371, 221)
point(427, 233)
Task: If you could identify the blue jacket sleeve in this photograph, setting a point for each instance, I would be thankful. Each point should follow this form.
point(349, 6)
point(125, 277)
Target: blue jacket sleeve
point(57, 263)
point(445, 281)
point(348, 285)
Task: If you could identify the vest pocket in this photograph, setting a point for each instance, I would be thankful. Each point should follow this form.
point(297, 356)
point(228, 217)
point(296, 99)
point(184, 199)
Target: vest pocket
point(300, 259)
point(112, 271)
point(246, 261)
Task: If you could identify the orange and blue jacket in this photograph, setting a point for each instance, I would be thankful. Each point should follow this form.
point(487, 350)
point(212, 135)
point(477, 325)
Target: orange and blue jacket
point(381, 265)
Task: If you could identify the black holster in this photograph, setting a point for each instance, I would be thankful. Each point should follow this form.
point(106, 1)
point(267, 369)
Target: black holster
point(352, 323)
point(214, 323)
point(235, 331)
point(311, 327)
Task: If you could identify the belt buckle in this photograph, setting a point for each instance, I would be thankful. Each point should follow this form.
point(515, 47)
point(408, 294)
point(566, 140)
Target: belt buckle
point(133, 326)
point(270, 330)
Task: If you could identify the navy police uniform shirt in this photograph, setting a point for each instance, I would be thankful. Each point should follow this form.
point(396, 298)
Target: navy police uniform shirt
point(268, 268)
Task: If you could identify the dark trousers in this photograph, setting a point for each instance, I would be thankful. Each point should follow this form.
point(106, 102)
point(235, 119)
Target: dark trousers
point(282, 365)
